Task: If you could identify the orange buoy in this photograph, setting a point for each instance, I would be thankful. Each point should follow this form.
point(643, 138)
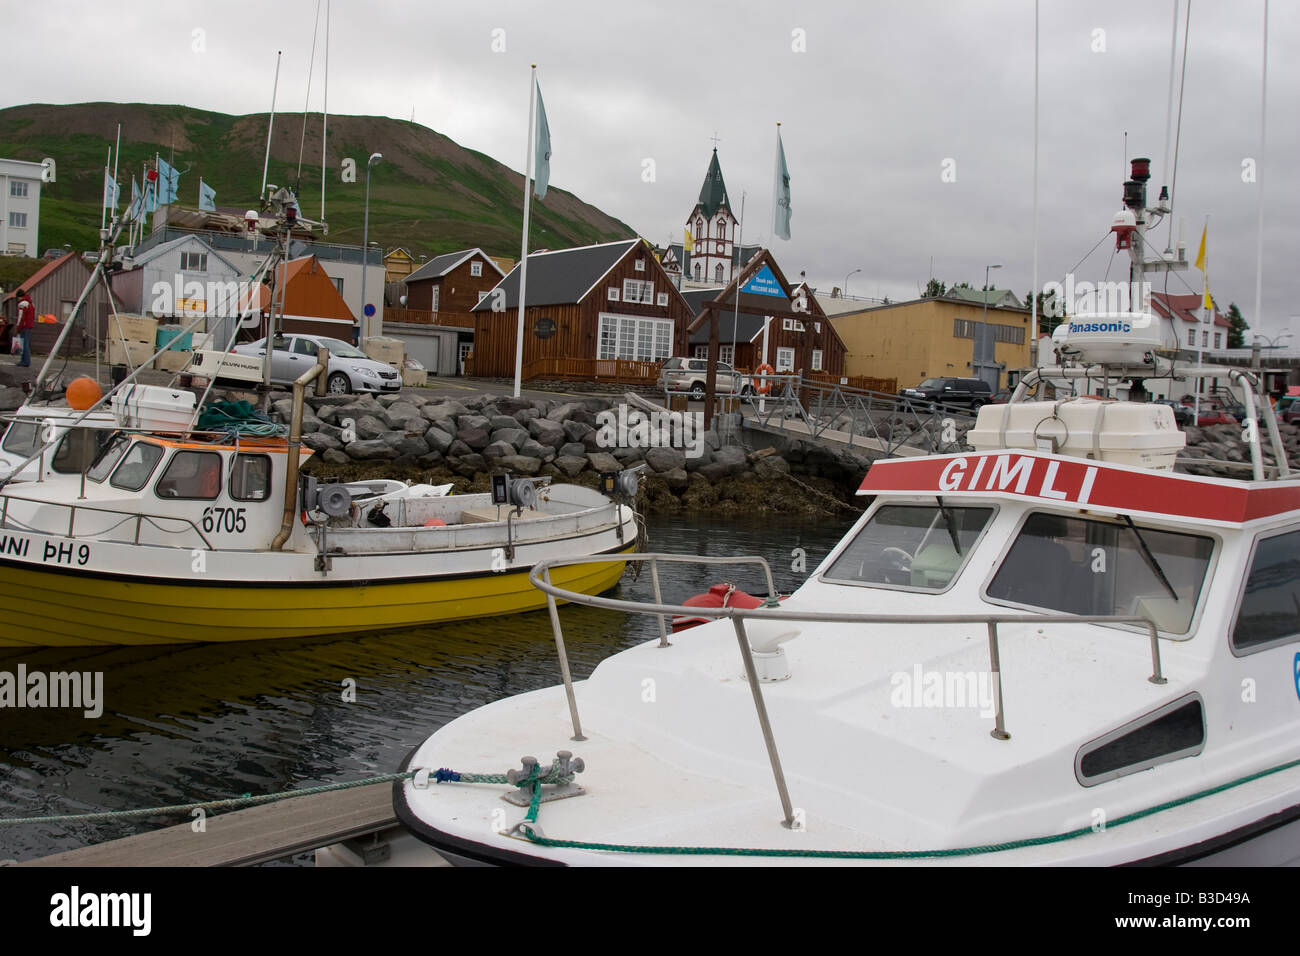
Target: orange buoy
point(435, 523)
point(83, 393)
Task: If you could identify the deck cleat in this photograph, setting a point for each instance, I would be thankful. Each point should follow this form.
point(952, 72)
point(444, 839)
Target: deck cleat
point(562, 769)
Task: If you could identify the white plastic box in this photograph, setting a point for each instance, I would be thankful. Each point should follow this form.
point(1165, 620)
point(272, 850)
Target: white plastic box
point(154, 408)
point(1141, 434)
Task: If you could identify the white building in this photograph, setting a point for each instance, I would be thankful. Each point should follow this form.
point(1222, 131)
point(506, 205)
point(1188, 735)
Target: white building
point(20, 207)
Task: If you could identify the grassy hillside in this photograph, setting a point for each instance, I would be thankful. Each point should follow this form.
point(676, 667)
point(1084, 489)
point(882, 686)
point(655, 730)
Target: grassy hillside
point(429, 194)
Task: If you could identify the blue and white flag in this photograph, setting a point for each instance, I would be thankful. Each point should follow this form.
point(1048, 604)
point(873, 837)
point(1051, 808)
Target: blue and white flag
point(542, 163)
point(110, 191)
point(207, 197)
point(169, 182)
point(781, 200)
point(150, 198)
point(133, 211)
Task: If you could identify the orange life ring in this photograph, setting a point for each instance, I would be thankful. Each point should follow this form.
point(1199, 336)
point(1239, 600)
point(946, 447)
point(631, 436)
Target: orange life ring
point(763, 386)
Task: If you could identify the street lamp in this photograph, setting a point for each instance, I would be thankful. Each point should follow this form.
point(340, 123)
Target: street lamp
point(845, 293)
point(1273, 343)
point(365, 244)
point(984, 324)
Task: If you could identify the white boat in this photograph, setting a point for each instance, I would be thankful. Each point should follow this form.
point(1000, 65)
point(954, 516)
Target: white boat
point(1054, 649)
point(48, 432)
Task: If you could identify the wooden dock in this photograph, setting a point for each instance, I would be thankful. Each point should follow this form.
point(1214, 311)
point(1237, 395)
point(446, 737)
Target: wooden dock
point(247, 837)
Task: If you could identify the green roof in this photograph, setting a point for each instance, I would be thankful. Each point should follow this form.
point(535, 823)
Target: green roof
point(714, 191)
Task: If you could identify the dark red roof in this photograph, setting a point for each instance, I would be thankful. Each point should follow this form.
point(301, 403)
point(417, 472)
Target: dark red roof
point(1186, 307)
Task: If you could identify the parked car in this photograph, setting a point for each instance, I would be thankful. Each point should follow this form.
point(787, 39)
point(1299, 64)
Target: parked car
point(687, 375)
point(350, 369)
point(1182, 413)
point(974, 393)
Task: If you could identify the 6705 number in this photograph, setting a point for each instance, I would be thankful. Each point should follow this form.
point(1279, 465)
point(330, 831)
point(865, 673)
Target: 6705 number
point(230, 520)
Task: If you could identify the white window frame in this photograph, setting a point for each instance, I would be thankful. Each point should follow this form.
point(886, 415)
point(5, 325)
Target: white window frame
point(726, 354)
point(787, 325)
point(437, 294)
point(17, 220)
point(701, 352)
point(784, 359)
point(194, 262)
point(476, 269)
point(17, 189)
point(661, 299)
point(612, 294)
point(1218, 340)
point(624, 336)
point(817, 360)
point(818, 327)
point(484, 295)
point(639, 265)
point(639, 291)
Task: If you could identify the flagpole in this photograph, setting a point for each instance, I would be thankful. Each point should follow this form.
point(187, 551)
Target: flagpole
point(270, 125)
point(523, 261)
point(103, 208)
point(1205, 312)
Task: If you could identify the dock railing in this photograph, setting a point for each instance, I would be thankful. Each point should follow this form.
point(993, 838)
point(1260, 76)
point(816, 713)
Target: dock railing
point(823, 411)
point(540, 577)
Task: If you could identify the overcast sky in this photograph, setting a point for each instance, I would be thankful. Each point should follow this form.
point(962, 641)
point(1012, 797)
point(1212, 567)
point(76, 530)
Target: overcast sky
point(876, 99)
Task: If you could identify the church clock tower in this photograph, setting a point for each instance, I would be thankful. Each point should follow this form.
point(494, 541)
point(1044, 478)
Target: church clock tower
point(713, 227)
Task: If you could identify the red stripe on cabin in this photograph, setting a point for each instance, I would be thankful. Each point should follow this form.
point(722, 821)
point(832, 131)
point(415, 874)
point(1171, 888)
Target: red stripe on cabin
point(1095, 484)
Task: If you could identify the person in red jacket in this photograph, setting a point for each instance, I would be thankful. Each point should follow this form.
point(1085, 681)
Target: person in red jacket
point(23, 328)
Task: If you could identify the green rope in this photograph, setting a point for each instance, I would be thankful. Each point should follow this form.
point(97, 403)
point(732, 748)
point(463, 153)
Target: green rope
point(890, 854)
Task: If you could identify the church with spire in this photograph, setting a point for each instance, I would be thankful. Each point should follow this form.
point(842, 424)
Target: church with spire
point(714, 231)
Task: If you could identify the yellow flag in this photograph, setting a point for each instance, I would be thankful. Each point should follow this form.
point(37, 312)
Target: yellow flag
point(688, 243)
point(1206, 301)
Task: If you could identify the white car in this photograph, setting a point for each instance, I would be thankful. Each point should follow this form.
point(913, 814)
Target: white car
point(351, 370)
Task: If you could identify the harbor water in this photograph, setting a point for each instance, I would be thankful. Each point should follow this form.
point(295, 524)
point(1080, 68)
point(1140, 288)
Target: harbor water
point(184, 724)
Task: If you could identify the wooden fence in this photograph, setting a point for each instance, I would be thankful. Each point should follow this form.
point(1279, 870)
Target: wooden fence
point(864, 382)
point(618, 371)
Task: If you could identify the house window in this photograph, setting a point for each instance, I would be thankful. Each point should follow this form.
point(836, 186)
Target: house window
point(640, 265)
point(785, 360)
point(817, 360)
point(17, 189)
point(634, 337)
point(1205, 340)
point(1191, 337)
point(65, 308)
point(699, 229)
point(436, 291)
point(717, 273)
point(701, 352)
point(791, 325)
point(194, 262)
point(483, 295)
point(786, 325)
point(338, 284)
point(697, 270)
point(661, 299)
point(818, 327)
point(18, 220)
point(613, 294)
point(640, 291)
point(476, 269)
point(1218, 340)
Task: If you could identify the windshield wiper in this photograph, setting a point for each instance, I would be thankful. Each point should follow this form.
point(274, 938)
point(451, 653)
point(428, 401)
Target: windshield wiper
point(1152, 563)
point(947, 523)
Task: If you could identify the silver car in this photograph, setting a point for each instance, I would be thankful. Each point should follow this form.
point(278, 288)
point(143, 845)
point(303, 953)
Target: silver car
point(350, 370)
point(687, 375)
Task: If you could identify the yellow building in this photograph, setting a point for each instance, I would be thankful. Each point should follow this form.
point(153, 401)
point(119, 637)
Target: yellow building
point(932, 337)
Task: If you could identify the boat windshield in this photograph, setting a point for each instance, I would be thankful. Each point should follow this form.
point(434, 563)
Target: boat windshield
point(1094, 566)
point(108, 458)
point(20, 439)
point(911, 546)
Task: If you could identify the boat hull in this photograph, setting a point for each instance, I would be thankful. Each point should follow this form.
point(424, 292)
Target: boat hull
point(47, 607)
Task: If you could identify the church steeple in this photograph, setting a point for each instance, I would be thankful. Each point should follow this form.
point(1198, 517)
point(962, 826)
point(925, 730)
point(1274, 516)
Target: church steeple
point(713, 226)
point(714, 191)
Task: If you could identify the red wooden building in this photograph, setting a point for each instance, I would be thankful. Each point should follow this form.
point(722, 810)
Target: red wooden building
point(312, 302)
point(607, 311)
point(746, 334)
